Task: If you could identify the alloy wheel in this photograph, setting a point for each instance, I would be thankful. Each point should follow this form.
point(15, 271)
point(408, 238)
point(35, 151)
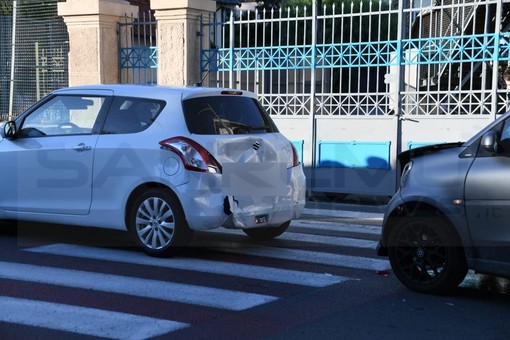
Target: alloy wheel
point(426, 254)
point(155, 223)
point(421, 253)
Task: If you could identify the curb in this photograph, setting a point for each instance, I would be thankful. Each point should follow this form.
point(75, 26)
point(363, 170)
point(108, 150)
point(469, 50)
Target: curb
point(343, 213)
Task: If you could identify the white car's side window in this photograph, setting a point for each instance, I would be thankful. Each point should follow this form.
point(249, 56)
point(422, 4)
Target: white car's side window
point(63, 115)
point(131, 115)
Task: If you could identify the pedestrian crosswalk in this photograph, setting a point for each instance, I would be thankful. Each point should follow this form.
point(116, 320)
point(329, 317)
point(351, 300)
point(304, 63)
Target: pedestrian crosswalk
point(85, 319)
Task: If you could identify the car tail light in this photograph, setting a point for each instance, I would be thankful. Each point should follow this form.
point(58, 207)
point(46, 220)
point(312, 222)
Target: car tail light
point(193, 155)
point(295, 156)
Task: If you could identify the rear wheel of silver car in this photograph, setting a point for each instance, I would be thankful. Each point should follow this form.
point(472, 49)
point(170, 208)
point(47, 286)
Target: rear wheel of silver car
point(157, 224)
point(426, 255)
point(266, 233)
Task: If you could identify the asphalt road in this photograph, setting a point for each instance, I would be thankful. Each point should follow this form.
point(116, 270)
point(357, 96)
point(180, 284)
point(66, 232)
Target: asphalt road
point(321, 279)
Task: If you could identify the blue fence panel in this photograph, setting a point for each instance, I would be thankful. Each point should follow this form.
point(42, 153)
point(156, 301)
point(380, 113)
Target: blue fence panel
point(414, 145)
point(437, 50)
point(138, 57)
point(353, 154)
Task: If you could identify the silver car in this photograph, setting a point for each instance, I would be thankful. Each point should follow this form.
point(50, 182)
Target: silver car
point(157, 161)
point(452, 212)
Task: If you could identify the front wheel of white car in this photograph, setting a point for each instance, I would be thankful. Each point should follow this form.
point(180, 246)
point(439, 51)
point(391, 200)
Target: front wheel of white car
point(157, 223)
point(266, 233)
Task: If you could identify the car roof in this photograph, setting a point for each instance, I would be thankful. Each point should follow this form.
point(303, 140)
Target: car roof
point(153, 91)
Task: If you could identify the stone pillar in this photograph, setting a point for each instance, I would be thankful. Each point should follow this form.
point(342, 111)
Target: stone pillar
point(93, 39)
point(178, 39)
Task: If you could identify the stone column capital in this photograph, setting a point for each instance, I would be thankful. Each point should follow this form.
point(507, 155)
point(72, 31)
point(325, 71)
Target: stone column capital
point(80, 8)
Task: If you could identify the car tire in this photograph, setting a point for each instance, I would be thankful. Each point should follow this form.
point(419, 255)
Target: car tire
point(8, 227)
point(335, 197)
point(426, 254)
point(157, 224)
point(266, 233)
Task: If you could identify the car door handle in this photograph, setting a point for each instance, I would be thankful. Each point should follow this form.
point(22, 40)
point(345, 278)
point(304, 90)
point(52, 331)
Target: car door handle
point(82, 147)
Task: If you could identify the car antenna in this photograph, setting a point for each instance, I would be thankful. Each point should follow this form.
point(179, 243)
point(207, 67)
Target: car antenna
point(199, 84)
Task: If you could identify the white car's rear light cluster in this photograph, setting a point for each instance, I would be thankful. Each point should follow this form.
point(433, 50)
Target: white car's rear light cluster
point(295, 156)
point(194, 156)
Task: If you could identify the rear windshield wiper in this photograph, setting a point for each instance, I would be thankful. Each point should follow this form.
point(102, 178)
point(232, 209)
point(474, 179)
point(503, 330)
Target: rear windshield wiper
point(241, 126)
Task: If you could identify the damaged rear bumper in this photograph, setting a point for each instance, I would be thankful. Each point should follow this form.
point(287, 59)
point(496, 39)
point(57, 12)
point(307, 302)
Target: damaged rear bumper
point(209, 207)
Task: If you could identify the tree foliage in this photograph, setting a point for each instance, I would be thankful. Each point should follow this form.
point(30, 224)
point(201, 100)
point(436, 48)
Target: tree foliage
point(5, 7)
point(275, 4)
point(361, 23)
point(26, 7)
point(269, 4)
point(354, 27)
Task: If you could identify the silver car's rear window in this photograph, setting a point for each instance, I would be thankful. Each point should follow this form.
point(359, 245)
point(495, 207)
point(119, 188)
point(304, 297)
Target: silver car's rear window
point(226, 115)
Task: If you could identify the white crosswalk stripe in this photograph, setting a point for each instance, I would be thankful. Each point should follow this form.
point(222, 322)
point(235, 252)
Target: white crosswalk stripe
point(206, 266)
point(128, 326)
point(338, 260)
point(319, 239)
point(81, 320)
point(162, 290)
point(335, 226)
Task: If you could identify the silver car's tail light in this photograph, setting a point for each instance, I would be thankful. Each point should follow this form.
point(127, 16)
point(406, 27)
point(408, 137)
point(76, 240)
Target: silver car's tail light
point(194, 156)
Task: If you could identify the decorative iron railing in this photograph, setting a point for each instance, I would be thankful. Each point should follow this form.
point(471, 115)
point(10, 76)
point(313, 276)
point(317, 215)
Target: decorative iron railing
point(366, 59)
point(138, 52)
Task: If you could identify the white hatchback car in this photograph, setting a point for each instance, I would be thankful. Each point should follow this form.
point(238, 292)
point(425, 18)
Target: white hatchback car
point(157, 161)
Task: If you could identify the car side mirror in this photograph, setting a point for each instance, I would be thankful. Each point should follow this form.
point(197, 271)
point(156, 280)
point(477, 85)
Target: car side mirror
point(489, 142)
point(9, 130)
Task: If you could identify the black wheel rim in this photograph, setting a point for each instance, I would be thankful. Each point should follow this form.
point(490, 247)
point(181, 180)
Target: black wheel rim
point(420, 253)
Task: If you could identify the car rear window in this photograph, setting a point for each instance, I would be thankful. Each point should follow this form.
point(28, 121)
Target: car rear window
point(226, 115)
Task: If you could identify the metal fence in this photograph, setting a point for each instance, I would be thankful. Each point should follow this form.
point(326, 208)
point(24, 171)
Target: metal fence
point(38, 63)
point(353, 85)
point(138, 52)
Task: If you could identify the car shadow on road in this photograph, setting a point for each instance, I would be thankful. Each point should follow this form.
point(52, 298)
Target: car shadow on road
point(31, 234)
